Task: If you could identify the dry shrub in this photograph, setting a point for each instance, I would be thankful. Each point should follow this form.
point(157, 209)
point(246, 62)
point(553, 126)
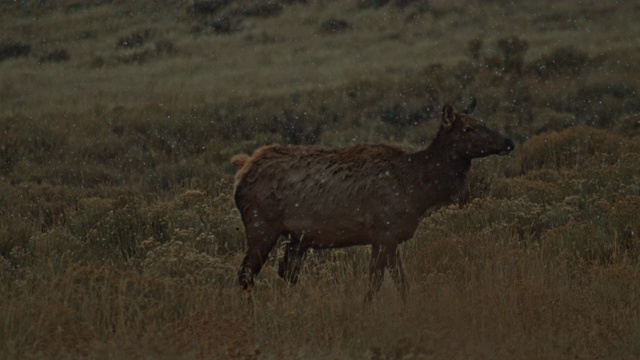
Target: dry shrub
point(576, 146)
point(535, 186)
point(617, 285)
point(371, 3)
point(581, 241)
point(110, 229)
point(57, 56)
point(398, 3)
point(181, 261)
point(628, 125)
point(164, 46)
point(400, 115)
point(225, 25)
point(405, 104)
point(30, 211)
point(550, 120)
point(226, 17)
point(10, 50)
point(624, 226)
point(296, 128)
point(610, 182)
point(208, 222)
point(474, 47)
point(58, 246)
point(591, 237)
point(334, 26)
point(14, 232)
point(30, 139)
point(509, 55)
point(561, 61)
point(135, 39)
point(190, 211)
point(136, 48)
point(264, 10)
point(498, 216)
point(600, 103)
point(207, 7)
point(227, 226)
point(134, 57)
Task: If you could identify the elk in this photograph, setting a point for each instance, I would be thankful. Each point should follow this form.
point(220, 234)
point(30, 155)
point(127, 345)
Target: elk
point(321, 197)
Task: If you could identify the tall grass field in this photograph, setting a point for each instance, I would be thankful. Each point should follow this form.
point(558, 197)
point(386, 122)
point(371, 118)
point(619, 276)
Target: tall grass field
point(119, 237)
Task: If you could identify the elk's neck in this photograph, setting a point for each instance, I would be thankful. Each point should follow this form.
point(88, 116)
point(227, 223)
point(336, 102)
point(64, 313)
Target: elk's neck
point(440, 174)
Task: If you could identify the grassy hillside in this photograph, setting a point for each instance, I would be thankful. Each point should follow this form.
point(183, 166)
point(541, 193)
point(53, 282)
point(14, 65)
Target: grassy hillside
point(119, 237)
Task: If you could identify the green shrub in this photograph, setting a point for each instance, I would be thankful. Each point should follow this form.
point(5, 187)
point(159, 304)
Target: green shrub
point(601, 103)
point(561, 61)
point(10, 50)
point(549, 120)
point(110, 229)
point(509, 55)
point(628, 125)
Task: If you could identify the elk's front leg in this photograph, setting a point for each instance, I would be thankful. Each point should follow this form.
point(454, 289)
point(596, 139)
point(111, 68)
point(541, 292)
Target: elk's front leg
point(377, 263)
point(260, 241)
point(292, 262)
point(385, 257)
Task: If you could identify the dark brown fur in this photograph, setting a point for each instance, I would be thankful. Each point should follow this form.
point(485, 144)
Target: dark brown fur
point(367, 194)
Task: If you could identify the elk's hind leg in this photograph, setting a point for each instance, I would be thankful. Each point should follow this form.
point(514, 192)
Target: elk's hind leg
point(385, 257)
point(260, 241)
point(396, 270)
point(291, 264)
point(377, 263)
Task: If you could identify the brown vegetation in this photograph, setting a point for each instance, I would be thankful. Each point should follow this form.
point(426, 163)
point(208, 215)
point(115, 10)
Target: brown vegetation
point(118, 232)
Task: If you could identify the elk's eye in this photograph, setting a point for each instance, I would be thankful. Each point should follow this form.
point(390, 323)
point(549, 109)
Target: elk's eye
point(467, 129)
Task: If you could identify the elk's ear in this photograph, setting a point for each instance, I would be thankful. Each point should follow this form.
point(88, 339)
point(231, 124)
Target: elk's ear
point(448, 115)
point(472, 106)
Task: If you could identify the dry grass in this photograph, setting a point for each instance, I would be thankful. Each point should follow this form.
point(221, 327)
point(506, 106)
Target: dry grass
point(118, 233)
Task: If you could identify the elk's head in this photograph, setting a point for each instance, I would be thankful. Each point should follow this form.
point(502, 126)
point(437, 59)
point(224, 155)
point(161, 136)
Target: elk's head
point(469, 138)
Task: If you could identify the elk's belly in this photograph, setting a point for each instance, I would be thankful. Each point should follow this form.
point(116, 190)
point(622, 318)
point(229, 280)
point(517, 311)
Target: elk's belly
point(343, 231)
point(329, 233)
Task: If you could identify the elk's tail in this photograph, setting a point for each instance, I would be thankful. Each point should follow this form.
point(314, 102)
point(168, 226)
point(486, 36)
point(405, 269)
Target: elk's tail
point(239, 160)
